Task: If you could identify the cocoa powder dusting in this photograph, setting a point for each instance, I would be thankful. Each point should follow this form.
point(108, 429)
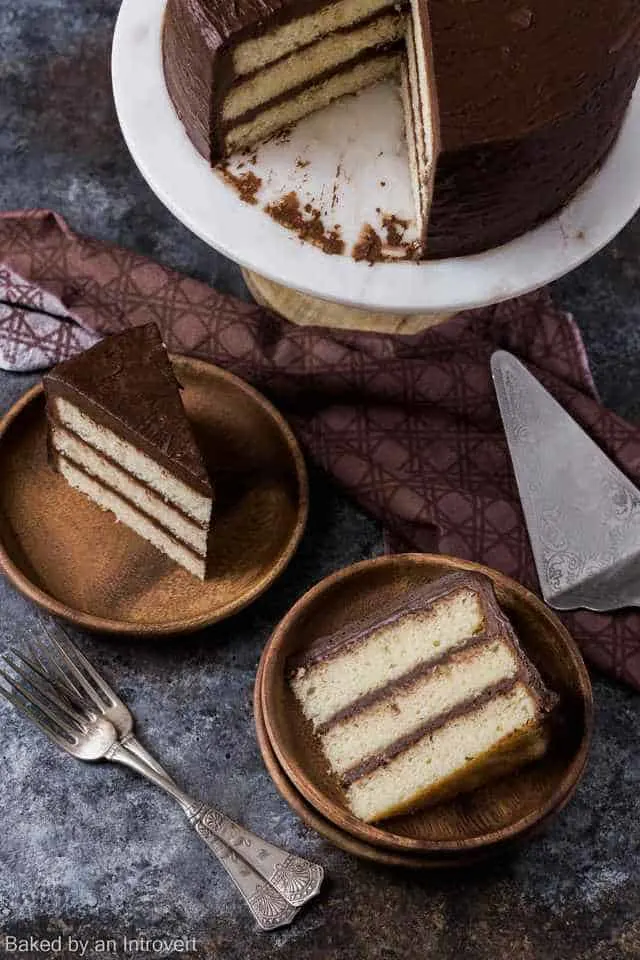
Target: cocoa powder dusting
point(368, 246)
point(247, 184)
point(395, 228)
point(306, 223)
point(371, 247)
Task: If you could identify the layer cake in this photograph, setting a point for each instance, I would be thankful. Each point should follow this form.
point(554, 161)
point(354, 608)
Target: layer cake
point(118, 432)
point(429, 700)
point(509, 106)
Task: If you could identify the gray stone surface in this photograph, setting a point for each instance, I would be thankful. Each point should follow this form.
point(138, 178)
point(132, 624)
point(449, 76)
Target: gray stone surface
point(94, 852)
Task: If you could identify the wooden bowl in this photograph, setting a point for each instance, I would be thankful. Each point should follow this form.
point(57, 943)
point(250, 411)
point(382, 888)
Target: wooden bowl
point(492, 816)
point(351, 845)
point(77, 562)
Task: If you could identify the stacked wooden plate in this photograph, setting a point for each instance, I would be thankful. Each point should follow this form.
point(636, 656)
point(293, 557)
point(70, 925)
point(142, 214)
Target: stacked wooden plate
point(472, 826)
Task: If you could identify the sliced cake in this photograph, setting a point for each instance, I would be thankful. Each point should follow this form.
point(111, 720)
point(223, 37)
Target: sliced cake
point(431, 699)
point(238, 72)
point(118, 432)
point(509, 107)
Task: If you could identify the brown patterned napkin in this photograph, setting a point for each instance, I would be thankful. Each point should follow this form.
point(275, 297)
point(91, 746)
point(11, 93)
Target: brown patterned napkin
point(408, 425)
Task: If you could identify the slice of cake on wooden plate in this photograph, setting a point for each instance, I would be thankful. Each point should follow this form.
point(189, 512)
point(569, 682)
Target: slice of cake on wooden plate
point(431, 699)
point(118, 432)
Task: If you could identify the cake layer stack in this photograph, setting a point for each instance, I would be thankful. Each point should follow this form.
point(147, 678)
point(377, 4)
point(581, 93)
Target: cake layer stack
point(279, 74)
point(431, 699)
point(118, 433)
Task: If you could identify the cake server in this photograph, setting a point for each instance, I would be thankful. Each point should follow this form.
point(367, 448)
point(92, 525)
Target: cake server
point(582, 512)
point(69, 700)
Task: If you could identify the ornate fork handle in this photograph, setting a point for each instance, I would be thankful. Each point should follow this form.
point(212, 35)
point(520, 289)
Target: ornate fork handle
point(249, 861)
point(269, 908)
point(297, 879)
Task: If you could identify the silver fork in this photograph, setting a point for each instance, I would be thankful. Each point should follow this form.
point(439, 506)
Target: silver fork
point(71, 703)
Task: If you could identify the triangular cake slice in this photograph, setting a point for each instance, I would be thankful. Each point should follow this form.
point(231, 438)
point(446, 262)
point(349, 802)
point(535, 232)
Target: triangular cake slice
point(118, 432)
point(431, 698)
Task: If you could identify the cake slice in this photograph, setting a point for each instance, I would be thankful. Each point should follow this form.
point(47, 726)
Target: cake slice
point(429, 700)
point(118, 432)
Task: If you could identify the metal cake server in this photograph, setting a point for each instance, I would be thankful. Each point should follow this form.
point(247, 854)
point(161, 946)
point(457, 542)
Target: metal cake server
point(582, 512)
point(69, 700)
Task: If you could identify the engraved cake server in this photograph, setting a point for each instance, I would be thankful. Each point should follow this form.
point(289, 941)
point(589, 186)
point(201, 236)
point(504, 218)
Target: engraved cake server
point(78, 710)
point(582, 512)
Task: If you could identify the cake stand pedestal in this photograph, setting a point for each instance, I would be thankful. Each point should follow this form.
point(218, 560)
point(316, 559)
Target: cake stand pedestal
point(309, 311)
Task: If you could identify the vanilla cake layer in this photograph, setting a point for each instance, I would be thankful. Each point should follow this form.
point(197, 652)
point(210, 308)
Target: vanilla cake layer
point(253, 54)
point(133, 461)
point(332, 683)
point(314, 97)
point(300, 68)
point(127, 514)
point(113, 477)
point(406, 780)
point(412, 125)
point(409, 704)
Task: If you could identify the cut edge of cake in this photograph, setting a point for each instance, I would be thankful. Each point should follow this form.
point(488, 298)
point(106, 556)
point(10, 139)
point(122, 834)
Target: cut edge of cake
point(263, 77)
point(318, 677)
point(421, 115)
point(433, 720)
point(146, 467)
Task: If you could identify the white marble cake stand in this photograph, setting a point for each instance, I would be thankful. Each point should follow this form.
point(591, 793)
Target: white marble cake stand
point(350, 162)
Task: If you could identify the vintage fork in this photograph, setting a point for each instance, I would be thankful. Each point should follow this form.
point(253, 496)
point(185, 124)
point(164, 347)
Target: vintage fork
point(77, 709)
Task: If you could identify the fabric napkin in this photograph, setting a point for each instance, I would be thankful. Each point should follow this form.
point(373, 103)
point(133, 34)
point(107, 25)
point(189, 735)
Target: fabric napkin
point(408, 425)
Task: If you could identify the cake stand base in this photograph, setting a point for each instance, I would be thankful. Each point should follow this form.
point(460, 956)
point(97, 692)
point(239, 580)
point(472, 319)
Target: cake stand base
point(313, 312)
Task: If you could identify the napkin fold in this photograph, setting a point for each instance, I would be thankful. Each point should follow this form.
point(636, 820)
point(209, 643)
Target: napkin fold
point(408, 425)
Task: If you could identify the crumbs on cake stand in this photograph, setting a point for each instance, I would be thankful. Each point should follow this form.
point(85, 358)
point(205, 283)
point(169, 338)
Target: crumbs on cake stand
point(246, 184)
point(306, 222)
point(374, 248)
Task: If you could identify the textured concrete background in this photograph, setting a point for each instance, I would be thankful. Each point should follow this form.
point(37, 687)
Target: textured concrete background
point(92, 851)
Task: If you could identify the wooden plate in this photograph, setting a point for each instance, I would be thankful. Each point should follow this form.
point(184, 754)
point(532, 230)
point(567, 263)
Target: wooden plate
point(77, 562)
point(492, 816)
point(358, 848)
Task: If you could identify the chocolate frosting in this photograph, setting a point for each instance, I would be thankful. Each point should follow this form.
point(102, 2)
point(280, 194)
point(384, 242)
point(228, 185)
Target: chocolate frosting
point(531, 95)
point(126, 383)
point(415, 602)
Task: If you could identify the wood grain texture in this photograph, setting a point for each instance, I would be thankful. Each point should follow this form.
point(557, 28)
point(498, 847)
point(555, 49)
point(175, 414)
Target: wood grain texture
point(77, 562)
point(359, 848)
point(487, 819)
point(309, 311)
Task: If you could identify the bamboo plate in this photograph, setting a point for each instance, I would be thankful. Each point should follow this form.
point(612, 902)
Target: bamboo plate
point(342, 839)
point(76, 561)
point(498, 813)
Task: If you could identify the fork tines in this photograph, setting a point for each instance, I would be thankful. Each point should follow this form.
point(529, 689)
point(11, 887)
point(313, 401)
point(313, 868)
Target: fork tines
point(54, 684)
point(40, 700)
